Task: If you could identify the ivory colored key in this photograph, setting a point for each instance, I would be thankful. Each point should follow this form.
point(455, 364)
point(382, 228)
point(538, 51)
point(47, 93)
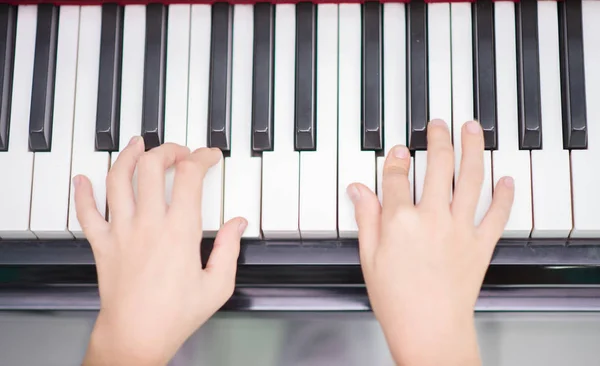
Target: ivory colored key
point(197, 125)
point(318, 169)
point(463, 60)
point(354, 164)
point(281, 167)
point(550, 168)
point(394, 87)
point(86, 160)
point(242, 169)
point(440, 87)
point(17, 162)
point(585, 176)
point(132, 82)
point(509, 159)
point(176, 80)
point(52, 170)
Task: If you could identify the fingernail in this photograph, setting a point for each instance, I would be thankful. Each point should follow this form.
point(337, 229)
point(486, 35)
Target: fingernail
point(401, 152)
point(353, 193)
point(438, 122)
point(509, 182)
point(242, 226)
point(473, 127)
point(134, 140)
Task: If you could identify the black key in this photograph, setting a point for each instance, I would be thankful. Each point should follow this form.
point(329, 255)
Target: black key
point(8, 23)
point(528, 72)
point(417, 74)
point(485, 71)
point(109, 79)
point(305, 129)
point(44, 70)
point(372, 124)
point(154, 75)
point(572, 75)
point(219, 99)
point(262, 82)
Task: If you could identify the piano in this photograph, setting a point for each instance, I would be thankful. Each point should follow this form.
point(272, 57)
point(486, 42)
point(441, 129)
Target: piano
point(303, 98)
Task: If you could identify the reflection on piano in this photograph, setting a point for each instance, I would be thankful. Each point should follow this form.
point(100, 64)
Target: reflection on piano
point(303, 98)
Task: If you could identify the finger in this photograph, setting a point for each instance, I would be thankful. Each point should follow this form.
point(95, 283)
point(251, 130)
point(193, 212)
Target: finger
point(470, 179)
point(440, 165)
point(119, 189)
point(151, 177)
point(396, 184)
point(367, 212)
point(494, 222)
point(222, 263)
point(186, 202)
point(92, 223)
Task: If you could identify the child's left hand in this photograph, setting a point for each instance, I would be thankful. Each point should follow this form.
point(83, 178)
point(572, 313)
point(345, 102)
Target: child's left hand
point(154, 292)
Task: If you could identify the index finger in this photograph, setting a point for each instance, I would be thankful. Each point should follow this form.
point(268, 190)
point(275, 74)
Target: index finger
point(186, 201)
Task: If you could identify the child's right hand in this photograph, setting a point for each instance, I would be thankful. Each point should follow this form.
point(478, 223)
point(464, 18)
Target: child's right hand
point(424, 264)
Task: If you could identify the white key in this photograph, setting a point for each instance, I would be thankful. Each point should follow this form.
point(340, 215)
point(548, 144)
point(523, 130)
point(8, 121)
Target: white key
point(85, 160)
point(52, 170)
point(420, 170)
point(585, 175)
point(212, 190)
point(242, 170)
point(318, 169)
point(176, 89)
point(440, 87)
point(462, 98)
point(132, 77)
point(355, 165)
point(281, 167)
point(550, 168)
point(176, 94)
point(508, 159)
point(462, 76)
point(394, 93)
point(17, 163)
point(487, 186)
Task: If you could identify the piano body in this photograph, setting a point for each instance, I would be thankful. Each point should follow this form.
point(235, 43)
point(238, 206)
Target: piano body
point(303, 98)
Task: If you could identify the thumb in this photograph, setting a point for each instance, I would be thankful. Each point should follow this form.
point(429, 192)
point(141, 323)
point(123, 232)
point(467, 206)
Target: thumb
point(222, 263)
point(92, 223)
point(367, 211)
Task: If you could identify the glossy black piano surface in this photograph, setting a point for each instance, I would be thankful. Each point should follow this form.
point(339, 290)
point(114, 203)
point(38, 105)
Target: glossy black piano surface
point(311, 275)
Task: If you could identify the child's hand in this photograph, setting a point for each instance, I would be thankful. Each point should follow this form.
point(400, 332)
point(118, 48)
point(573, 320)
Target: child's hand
point(154, 292)
point(424, 264)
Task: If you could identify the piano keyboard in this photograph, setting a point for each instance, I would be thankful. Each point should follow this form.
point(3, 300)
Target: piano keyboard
point(303, 99)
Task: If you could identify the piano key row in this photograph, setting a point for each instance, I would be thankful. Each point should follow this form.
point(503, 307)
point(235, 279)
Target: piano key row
point(219, 61)
point(155, 61)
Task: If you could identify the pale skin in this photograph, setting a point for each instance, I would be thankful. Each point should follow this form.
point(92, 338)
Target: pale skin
point(423, 264)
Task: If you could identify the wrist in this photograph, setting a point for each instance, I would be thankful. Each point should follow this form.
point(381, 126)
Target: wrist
point(433, 340)
point(110, 345)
